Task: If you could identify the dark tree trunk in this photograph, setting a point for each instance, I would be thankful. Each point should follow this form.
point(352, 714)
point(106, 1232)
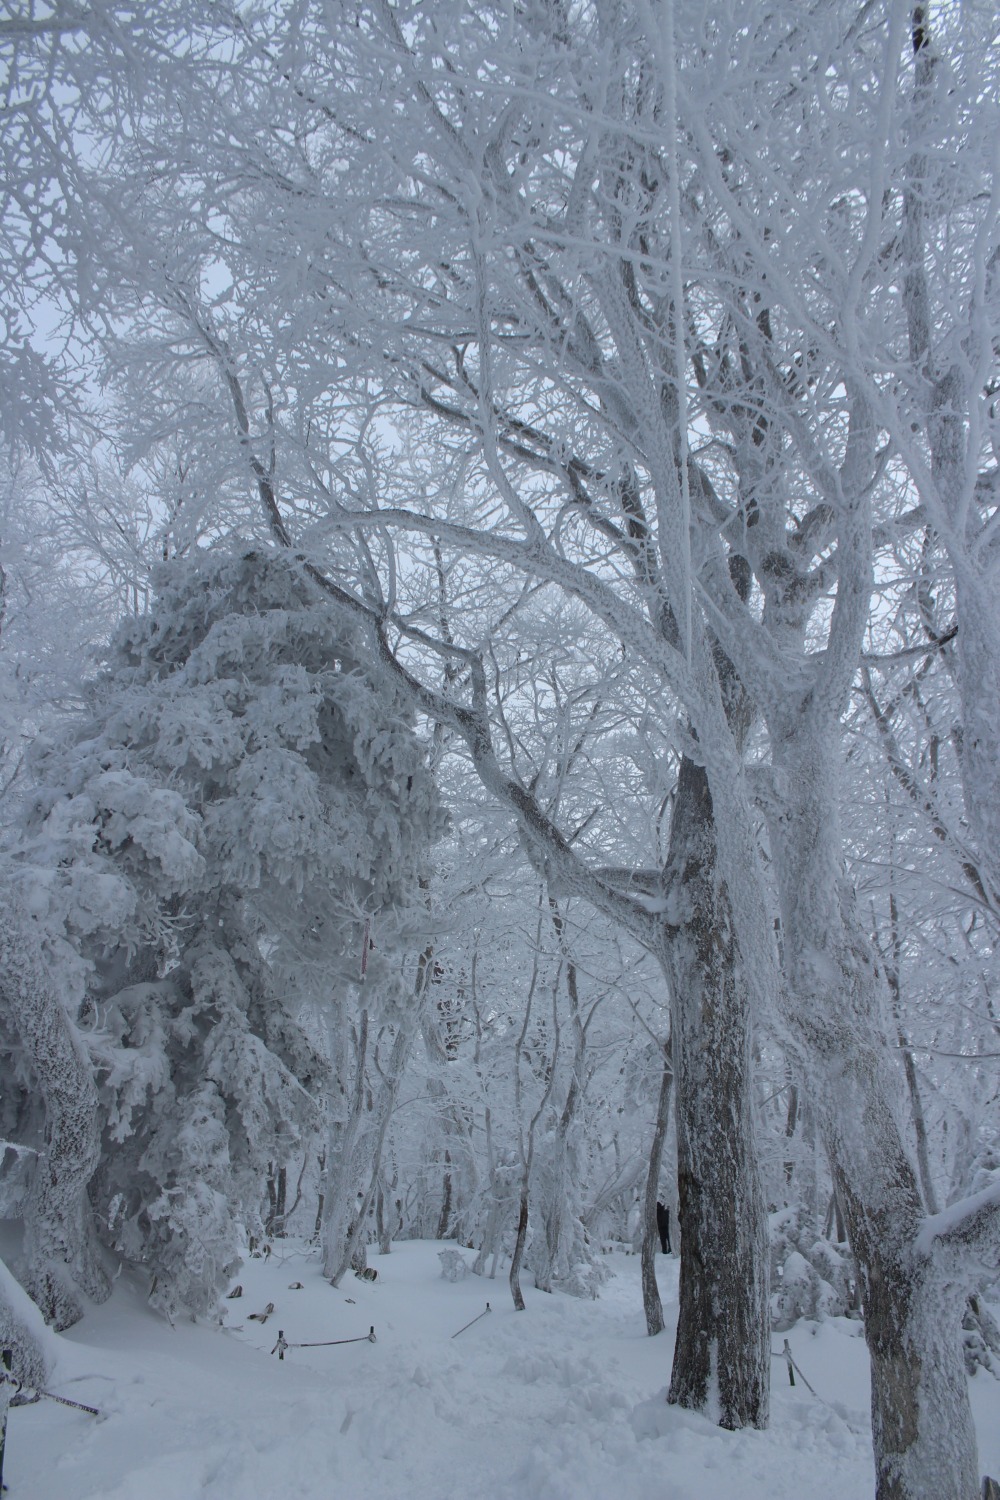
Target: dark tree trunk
point(277, 1198)
point(445, 1216)
point(382, 1230)
point(515, 1264)
point(317, 1227)
point(272, 1199)
point(281, 1201)
point(722, 1353)
point(651, 1303)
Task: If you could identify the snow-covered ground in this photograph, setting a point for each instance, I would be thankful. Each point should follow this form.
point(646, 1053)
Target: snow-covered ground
point(565, 1401)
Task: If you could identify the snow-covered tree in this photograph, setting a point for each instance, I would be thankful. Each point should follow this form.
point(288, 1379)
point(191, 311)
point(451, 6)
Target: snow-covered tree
point(676, 314)
point(239, 792)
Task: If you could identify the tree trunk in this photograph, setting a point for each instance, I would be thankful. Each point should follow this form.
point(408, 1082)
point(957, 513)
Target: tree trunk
point(492, 1231)
point(560, 1249)
point(922, 1431)
point(282, 1199)
point(651, 1303)
point(515, 1262)
point(722, 1355)
point(382, 1229)
point(444, 1218)
point(60, 1246)
point(382, 1107)
point(345, 1168)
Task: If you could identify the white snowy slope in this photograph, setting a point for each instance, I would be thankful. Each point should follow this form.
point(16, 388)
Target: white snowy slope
point(565, 1401)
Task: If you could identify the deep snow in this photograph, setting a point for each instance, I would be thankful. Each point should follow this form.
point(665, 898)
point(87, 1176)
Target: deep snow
point(565, 1401)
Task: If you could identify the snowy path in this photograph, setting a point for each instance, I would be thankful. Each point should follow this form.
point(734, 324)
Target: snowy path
point(562, 1402)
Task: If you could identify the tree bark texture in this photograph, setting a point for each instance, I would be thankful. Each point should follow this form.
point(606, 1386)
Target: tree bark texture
point(922, 1430)
point(722, 1354)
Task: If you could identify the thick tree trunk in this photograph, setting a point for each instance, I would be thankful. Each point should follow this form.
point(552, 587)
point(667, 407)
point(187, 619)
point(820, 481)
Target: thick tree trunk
point(922, 1431)
point(60, 1247)
point(722, 1355)
point(651, 1304)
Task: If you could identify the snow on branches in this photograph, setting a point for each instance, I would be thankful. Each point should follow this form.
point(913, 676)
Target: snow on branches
point(242, 790)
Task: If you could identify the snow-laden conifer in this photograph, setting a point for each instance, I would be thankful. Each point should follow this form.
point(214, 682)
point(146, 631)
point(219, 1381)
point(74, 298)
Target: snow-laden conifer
point(242, 791)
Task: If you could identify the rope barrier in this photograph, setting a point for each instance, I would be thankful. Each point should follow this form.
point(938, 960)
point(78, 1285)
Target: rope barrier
point(474, 1320)
point(283, 1344)
point(786, 1354)
point(793, 1369)
point(65, 1401)
point(34, 1394)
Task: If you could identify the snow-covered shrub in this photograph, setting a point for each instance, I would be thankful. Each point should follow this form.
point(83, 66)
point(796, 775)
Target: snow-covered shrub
point(23, 1332)
point(584, 1279)
point(810, 1278)
point(454, 1266)
point(561, 1255)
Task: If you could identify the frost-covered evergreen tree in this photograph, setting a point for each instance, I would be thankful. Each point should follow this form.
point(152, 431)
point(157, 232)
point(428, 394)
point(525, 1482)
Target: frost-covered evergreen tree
point(242, 790)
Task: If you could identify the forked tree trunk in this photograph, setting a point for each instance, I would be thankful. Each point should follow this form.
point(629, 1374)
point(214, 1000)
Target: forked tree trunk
point(383, 1105)
point(722, 1355)
point(60, 1246)
point(564, 1242)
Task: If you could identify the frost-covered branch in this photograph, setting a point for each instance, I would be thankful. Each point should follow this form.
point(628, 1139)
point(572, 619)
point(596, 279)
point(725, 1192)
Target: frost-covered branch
point(966, 1235)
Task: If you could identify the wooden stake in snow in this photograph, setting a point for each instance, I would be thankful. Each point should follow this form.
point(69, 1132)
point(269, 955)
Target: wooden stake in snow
point(790, 1363)
point(792, 1367)
point(469, 1325)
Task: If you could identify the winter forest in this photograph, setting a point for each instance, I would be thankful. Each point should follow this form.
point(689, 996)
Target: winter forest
point(500, 676)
